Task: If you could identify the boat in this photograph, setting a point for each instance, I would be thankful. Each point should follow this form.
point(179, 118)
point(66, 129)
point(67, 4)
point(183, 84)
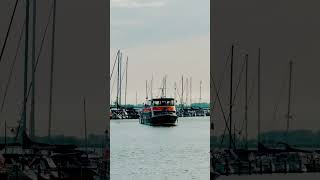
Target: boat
point(159, 112)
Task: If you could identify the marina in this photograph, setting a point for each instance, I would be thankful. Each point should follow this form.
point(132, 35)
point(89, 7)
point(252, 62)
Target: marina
point(277, 156)
point(182, 100)
point(21, 156)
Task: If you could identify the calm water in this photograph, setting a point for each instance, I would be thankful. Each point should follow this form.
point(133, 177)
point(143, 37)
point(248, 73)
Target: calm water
point(141, 152)
point(293, 176)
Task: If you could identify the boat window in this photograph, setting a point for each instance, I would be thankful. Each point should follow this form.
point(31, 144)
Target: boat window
point(163, 103)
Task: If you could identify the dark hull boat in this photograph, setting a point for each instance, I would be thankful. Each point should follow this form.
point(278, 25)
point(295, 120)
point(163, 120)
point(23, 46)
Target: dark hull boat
point(159, 112)
point(161, 120)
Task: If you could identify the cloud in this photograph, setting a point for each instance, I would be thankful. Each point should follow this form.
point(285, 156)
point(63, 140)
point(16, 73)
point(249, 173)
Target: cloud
point(137, 3)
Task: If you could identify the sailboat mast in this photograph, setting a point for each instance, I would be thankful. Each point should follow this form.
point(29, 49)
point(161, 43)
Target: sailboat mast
point(151, 88)
point(246, 102)
point(125, 95)
point(24, 120)
point(165, 85)
point(136, 98)
point(230, 103)
point(5, 136)
point(182, 91)
point(187, 90)
point(52, 65)
point(289, 99)
point(146, 89)
point(85, 124)
point(200, 91)
point(32, 111)
point(259, 91)
point(120, 79)
point(117, 100)
point(190, 91)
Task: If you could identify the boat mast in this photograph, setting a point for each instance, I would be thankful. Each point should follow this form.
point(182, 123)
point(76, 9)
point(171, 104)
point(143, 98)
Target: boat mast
point(165, 85)
point(200, 91)
point(136, 98)
point(32, 111)
point(8, 31)
point(26, 53)
point(175, 90)
point(120, 79)
point(146, 89)
point(151, 89)
point(85, 125)
point(125, 95)
point(52, 65)
point(246, 103)
point(190, 90)
point(230, 105)
point(117, 99)
point(182, 92)
point(289, 99)
point(259, 91)
point(187, 90)
point(5, 136)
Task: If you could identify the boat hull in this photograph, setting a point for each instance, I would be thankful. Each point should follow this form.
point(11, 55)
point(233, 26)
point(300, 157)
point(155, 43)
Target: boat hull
point(161, 120)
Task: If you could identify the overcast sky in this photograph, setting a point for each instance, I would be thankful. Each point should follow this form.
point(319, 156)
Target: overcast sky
point(162, 37)
point(284, 30)
point(80, 66)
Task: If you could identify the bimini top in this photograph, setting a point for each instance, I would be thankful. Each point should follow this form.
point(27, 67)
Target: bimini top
point(162, 99)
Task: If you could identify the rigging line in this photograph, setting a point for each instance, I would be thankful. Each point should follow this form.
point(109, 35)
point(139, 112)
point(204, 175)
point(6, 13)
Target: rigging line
point(36, 65)
point(8, 31)
point(252, 88)
point(223, 113)
point(114, 64)
point(276, 108)
point(240, 77)
point(223, 75)
point(11, 70)
point(238, 85)
point(234, 98)
point(112, 88)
